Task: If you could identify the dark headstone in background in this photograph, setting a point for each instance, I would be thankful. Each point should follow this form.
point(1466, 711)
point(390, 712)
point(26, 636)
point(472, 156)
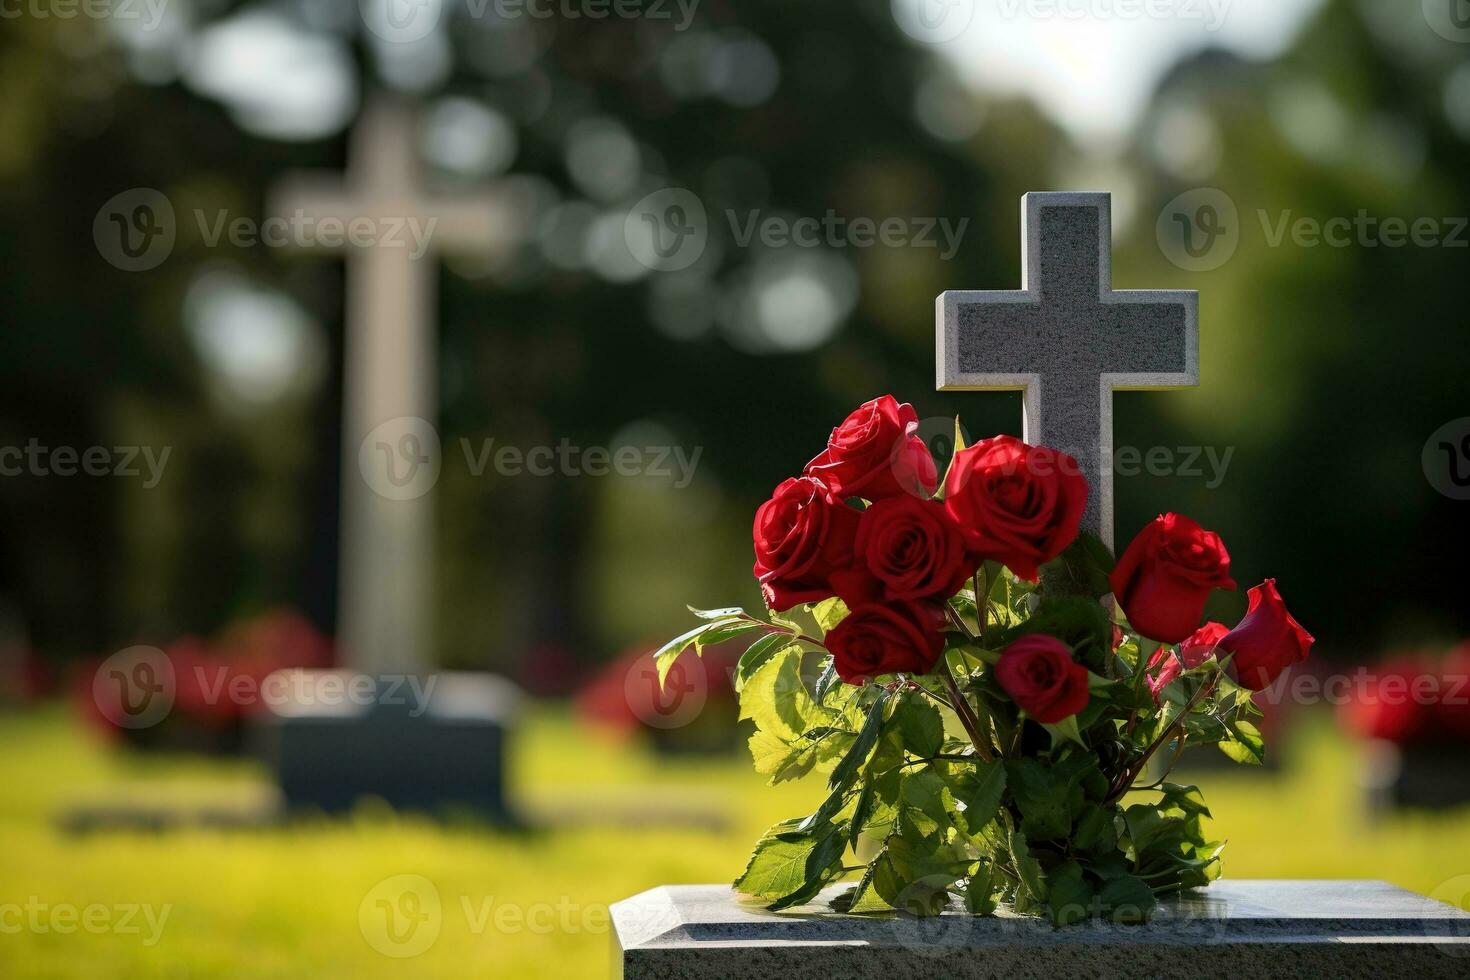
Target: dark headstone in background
point(443, 751)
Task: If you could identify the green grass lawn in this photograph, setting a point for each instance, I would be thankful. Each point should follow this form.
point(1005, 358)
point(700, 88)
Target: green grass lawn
point(286, 902)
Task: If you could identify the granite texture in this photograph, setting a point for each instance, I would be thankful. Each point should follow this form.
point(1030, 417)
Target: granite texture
point(1067, 339)
point(1255, 929)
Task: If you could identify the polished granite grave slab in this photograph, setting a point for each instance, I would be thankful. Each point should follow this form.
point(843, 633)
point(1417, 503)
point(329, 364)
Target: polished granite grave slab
point(1257, 929)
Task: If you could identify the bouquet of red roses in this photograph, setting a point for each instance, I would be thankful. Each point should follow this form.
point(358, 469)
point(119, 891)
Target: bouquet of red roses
point(982, 684)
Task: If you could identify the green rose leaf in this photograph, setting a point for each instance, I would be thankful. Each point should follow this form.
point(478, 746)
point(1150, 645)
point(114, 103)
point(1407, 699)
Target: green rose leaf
point(977, 791)
point(788, 868)
point(1096, 831)
point(779, 760)
point(928, 859)
point(923, 804)
point(1246, 744)
point(1031, 888)
point(1045, 797)
point(863, 809)
point(1080, 622)
point(756, 655)
point(1127, 899)
point(1065, 731)
point(725, 613)
point(828, 613)
point(920, 724)
point(1069, 896)
point(878, 881)
point(826, 681)
point(777, 701)
point(959, 443)
point(718, 632)
point(1187, 798)
point(846, 770)
point(665, 656)
point(980, 890)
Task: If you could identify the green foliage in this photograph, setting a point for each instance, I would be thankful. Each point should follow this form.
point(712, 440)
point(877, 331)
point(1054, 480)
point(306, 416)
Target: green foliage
point(1245, 743)
point(828, 613)
point(1080, 622)
point(940, 787)
point(919, 724)
point(756, 655)
point(1081, 570)
point(977, 789)
point(789, 866)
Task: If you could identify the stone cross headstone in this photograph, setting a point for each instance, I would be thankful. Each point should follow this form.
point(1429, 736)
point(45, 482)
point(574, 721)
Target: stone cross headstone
point(416, 741)
point(389, 373)
point(1067, 339)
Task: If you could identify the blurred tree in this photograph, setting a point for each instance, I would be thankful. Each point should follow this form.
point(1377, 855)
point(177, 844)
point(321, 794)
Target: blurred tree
point(751, 355)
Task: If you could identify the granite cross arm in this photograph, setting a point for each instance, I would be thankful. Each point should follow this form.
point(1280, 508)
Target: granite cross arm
point(1256, 929)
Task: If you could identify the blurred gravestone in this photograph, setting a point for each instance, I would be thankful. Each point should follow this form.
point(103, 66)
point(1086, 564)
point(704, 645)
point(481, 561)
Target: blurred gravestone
point(449, 749)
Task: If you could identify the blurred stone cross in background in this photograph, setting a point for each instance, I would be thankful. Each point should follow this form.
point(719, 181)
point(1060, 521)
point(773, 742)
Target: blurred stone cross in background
point(1068, 340)
point(433, 741)
point(390, 449)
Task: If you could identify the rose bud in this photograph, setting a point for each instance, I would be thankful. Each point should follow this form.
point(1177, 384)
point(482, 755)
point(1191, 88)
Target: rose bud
point(1039, 674)
point(883, 639)
point(1168, 664)
point(1017, 504)
point(802, 535)
point(875, 454)
point(906, 548)
point(1266, 641)
point(1164, 577)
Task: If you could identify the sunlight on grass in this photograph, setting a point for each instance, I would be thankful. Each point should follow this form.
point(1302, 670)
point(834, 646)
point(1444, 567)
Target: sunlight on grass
point(285, 902)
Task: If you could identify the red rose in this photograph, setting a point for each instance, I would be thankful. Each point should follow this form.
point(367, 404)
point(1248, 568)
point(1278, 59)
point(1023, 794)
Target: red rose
point(802, 535)
point(1017, 504)
point(1266, 642)
point(1163, 578)
point(1195, 650)
point(874, 454)
point(1038, 672)
point(906, 548)
point(881, 639)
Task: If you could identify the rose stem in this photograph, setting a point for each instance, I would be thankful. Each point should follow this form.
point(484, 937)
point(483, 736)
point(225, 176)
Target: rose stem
point(967, 717)
point(1125, 782)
